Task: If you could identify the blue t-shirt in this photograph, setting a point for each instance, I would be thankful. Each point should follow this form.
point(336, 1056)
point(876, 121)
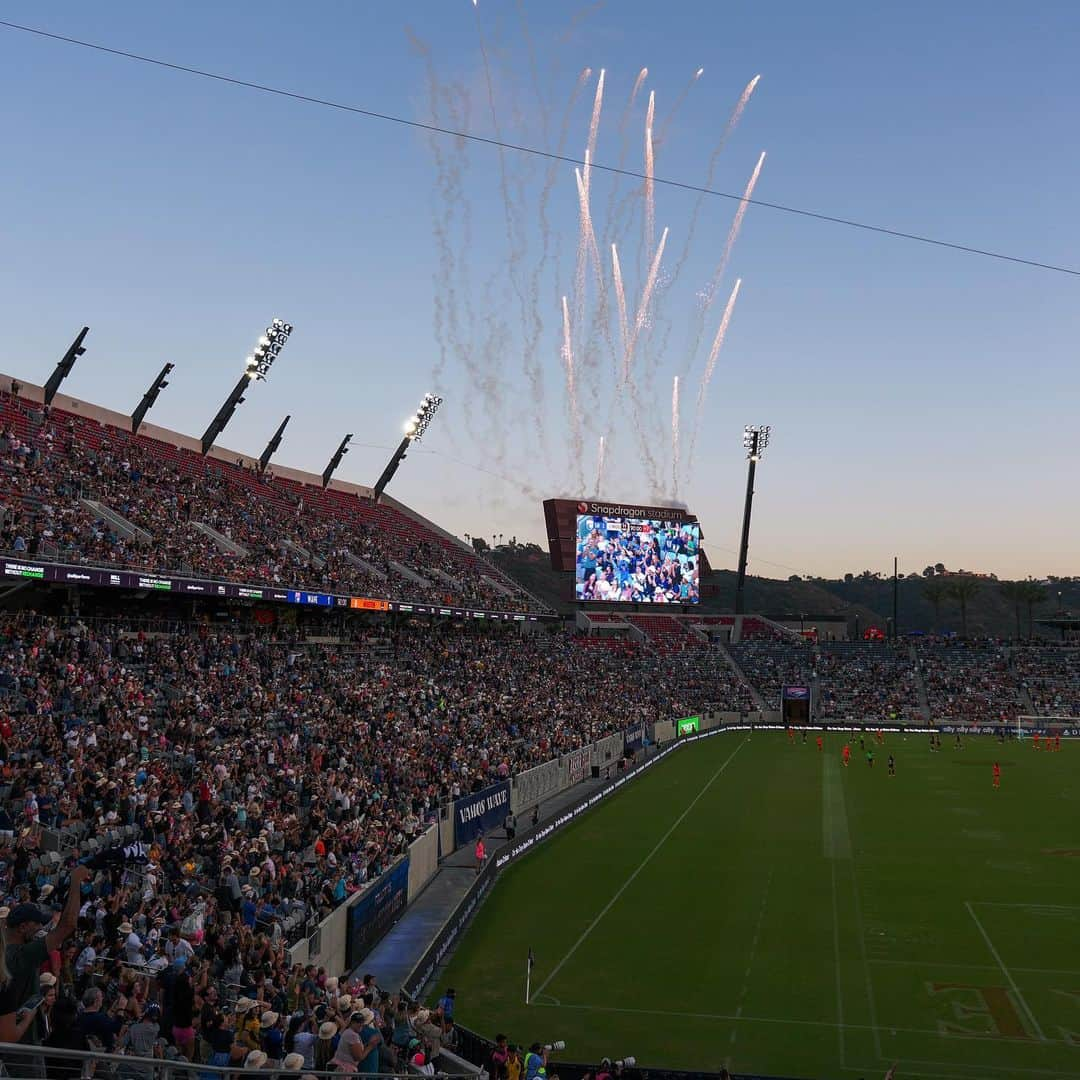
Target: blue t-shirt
point(370, 1064)
point(534, 1067)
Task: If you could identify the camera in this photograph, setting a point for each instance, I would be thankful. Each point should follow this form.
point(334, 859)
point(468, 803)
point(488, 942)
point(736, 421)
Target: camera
point(558, 1044)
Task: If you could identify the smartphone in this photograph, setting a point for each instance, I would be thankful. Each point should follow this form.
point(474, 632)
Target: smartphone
point(31, 1004)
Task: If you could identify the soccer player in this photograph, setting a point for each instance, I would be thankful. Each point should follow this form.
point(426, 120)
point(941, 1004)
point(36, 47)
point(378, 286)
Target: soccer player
point(1035, 739)
point(791, 736)
point(847, 754)
point(820, 743)
point(958, 745)
point(997, 775)
point(892, 765)
point(880, 736)
point(804, 736)
point(1057, 742)
point(870, 756)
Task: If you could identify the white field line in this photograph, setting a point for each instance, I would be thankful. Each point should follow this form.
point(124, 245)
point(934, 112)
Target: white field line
point(976, 967)
point(836, 961)
point(641, 866)
point(1006, 973)
point(732, 1017)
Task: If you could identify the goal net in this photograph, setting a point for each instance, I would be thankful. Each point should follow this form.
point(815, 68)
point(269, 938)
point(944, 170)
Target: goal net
point(1065, 727)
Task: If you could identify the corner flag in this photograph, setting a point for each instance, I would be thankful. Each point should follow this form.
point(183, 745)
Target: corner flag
point(528, 973)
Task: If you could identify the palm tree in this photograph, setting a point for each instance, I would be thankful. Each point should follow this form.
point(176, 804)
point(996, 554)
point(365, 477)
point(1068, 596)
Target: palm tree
point(1032, 593)
point(935, 590)
point(962, 590)
point(1015, 592)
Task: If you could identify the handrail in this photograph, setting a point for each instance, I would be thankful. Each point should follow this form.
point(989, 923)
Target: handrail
point(167, 1066)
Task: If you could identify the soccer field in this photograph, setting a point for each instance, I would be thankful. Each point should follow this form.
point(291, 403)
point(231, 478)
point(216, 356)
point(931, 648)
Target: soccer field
point(753, 903)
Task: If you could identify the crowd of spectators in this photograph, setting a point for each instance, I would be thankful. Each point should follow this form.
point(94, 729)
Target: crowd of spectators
point(970, 682)
point(771, 664)
point(859, 680)
point(1051, 677)
point(286, 535)
point(249, 786)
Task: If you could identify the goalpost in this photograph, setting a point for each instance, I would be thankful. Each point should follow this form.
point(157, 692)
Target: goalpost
point(1067, 727)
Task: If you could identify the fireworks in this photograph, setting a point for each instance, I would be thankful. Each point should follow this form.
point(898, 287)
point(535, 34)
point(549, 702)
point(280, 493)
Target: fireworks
point(495, 326)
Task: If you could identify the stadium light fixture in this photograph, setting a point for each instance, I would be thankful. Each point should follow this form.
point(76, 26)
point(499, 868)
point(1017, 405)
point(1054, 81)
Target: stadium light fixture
point(414, 429)
point(149, 398)
point(257, 366)
point(755, 439)
point(67, 362)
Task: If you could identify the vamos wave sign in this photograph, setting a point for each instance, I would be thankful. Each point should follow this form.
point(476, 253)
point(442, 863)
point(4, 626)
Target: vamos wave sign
point(476, 814)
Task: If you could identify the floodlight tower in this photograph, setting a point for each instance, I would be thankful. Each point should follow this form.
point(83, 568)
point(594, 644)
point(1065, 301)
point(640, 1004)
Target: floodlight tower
point(149, 398)
point(257, 366)
point(67, 362)
point(755, 439)
point(335, 461)
point(272, 445)
point(415, 427)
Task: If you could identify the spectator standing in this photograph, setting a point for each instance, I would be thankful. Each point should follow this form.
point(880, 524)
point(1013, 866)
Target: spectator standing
point(25, 954)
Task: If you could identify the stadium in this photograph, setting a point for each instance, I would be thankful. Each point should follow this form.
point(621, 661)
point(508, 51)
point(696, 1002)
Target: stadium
point(297, 778)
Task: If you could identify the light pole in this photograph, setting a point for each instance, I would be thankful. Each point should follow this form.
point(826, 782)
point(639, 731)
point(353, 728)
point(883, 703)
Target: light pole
point(755, 439)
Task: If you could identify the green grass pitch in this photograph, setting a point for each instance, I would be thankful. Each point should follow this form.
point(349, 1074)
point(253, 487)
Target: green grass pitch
point(753, 903)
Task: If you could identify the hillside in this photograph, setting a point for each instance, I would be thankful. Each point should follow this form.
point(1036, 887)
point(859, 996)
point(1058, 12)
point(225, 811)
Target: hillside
point(989, 611)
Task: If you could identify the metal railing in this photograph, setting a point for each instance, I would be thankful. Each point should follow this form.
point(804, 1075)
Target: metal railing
point(19, 1061)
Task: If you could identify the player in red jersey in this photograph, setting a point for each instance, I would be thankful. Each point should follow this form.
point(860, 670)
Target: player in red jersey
point(997, 775)
point(847, 754)
point(880, 736)
point(820, 743)
point(791, 736)
point(1035, 738)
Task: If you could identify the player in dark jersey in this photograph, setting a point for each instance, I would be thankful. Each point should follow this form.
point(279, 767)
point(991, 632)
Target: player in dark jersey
point(892, 765)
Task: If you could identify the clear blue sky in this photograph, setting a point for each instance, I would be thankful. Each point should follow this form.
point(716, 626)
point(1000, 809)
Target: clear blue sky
point(923, 402)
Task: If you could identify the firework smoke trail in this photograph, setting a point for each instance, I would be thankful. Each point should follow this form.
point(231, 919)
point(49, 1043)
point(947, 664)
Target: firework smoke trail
point(729, 128)
point(708, 295)
point(661, 135)
point(453, 315)
point(650, 183)
point(620, 297)
point(576, 448)
point(710, 366)
point(594, 126)
point(533, 367)
point(582, 263)
point(514, 242)
point(600, 314)
point(643, 306)
point(600, 468)
point(675, 437)
point(733, 232)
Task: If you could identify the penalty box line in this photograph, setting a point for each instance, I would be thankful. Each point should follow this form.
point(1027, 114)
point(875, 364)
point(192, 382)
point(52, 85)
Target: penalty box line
point(641, 866)
point(1005, 971)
